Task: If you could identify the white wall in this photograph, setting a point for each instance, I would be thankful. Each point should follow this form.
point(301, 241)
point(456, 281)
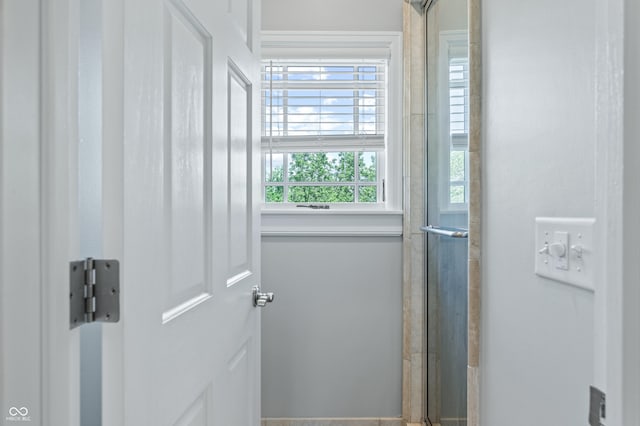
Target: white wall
point(332, 339)
point(330, 15)
point(539, 143)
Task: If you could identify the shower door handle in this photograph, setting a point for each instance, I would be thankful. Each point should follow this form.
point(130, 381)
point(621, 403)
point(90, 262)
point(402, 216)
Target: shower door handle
point(447, 232)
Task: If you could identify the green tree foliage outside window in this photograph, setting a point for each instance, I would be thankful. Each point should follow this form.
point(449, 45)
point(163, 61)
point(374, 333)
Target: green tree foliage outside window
point(457, 174)
point(318, 177)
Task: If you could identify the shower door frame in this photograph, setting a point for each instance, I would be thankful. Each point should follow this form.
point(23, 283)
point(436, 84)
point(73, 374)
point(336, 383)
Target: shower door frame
point(414, 350)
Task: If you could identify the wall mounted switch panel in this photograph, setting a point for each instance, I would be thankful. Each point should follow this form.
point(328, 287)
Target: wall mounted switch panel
point(565, 250)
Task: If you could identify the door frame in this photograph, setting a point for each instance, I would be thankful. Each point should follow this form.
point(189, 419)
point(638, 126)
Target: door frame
point(60, 236)
point(613, 330)
point(112, 184)
point(44, 130)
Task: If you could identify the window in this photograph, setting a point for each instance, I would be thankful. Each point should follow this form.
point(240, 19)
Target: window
point(321, 177)
point(459, 130)
point(323, 131)
point(332, 133)
point(456, 131)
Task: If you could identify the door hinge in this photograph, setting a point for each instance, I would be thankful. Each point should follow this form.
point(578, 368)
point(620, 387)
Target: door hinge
point(94, 291)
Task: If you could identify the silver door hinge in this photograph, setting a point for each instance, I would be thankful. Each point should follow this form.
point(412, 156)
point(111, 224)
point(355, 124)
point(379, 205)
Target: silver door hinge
point(94, 291)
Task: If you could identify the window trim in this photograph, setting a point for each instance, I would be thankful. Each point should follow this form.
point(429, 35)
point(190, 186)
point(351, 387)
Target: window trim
point(361, 219)
point(342, 223)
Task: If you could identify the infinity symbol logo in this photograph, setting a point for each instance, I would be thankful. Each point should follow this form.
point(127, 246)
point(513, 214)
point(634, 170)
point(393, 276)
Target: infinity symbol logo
point(22, 411)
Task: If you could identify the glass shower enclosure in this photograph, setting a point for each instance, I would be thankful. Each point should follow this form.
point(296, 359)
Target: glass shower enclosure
point(447, 201)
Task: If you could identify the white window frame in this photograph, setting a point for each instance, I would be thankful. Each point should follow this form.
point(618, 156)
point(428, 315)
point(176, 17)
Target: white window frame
point(278, 141)
point(383, 218)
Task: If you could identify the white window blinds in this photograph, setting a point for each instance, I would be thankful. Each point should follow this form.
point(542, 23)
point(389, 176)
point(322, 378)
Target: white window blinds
point(323, 106)
point(459, 101)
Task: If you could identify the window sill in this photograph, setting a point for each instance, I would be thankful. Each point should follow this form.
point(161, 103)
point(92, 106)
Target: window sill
point(337, 222)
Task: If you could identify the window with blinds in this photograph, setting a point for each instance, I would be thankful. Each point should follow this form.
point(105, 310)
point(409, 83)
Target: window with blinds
point(323, 131)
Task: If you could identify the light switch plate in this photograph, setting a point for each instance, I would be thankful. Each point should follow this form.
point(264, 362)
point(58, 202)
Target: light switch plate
point(578, 265)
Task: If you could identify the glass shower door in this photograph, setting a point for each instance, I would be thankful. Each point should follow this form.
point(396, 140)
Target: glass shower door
point(447, 196)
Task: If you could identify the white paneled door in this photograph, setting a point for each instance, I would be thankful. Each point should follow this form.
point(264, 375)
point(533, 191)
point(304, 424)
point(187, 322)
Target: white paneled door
point(180, 192)
point(182, 212)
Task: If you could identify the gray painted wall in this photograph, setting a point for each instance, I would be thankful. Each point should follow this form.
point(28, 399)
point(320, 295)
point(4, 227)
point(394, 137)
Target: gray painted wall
point(539, 142)
point(332, 339)
point(631, 319)
point(332, 15)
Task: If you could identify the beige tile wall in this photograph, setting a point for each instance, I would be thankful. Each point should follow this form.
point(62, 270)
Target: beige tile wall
point(413, 254)
point(475, 211)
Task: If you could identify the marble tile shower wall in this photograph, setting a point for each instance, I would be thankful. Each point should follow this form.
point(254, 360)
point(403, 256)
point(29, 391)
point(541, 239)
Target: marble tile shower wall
point(413, 244)
point(475, 212)
point(414, 372)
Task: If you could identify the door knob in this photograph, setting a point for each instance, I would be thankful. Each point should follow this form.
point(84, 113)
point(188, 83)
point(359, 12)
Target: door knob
point(261, 299)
